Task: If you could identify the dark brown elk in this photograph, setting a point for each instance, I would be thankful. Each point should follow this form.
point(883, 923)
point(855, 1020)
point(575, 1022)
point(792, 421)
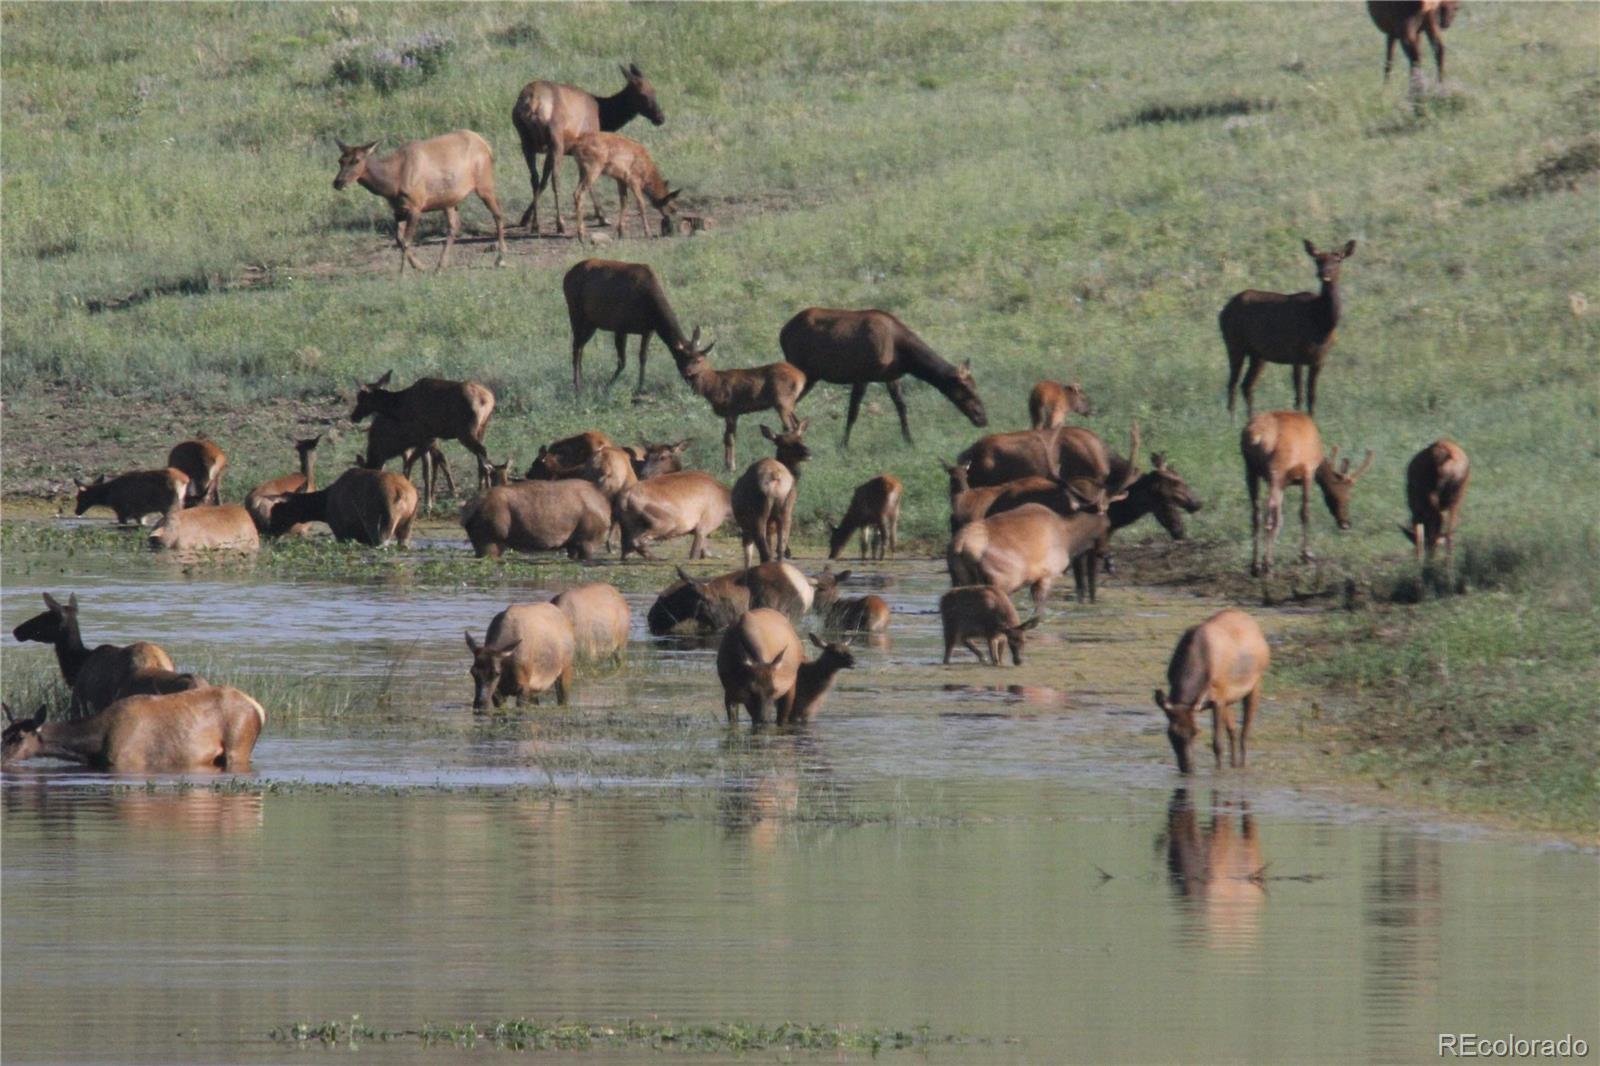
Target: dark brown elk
point(731, 393)
point(550, 117)
point(629, 164)
point(1073, 455)
point(1029, 547)
point(570, 515)
point(1161, 492)
point(969, 504)
point(389, 438)
point(204, 463)
point(1281, 448)
point(858, 614)
point(765, 494)
point(601, 621)
point(762, 668)
point(857, 348)
point(713, 603)
point(1405, 21)
point(624, 299)
point(1216, 663)
point(423, 176)
point(1274, 327)
point(1436, 483)
point(371, 507)
point(690, 503)
point(209, 728)
point(528, 650)
point(264, 497)
point(426, 411)
point(1051, 402)
point(985, 612)
point(224, 527)
point(99, 677)
point(133, 495)
point(500, 473)
point(874, 512)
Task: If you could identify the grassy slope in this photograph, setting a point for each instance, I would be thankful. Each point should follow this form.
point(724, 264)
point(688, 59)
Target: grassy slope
point(996, 197)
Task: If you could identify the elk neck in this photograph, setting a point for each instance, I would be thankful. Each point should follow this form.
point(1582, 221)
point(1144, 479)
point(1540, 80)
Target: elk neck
point(82, 741)
point(1328, 304)
point(382, 177)
point(813, 681)
point(70, 652)
point(615, 111)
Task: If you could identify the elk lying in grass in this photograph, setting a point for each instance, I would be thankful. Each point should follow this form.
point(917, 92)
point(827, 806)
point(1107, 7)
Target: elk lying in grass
point(225, 527)
point(570, 515)
point(209, 728)
point(1280, 448)
point(566, 457)
point(371, 507)
point(714, 603)
point(874, 512)
point(1273, 327)
point(764, 496)
point(423, 176)
point(857, 348)
point(689, 503)
point(762, 667)
point(985, 612)
point(264, 497)
point(731, 393)
point(1216, 663)
point(426, 411)
point(851, 614)
point(624, 299)
point(203, 462)
point(103, 675)
point(133, 495)
point(1029, 547)
point(1404, 21)
point(1051, 402)
point(629, 163)
point(1436, 483)
point(600, 619)
point(551, 117)
point(529, 649)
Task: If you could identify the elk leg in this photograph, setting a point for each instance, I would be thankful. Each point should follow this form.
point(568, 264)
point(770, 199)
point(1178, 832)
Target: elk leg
point(1388, 59)
point(857, 391)
point(1235, 367)
point(557, 150)
point(1249, 386)
point(966, 642)
point(644, 222)
point(1040, 593)
point(580, 337)
point(452, 217)
point(1305, 520)
point(1251, 701)
point(563, 686)
point(697, 546)
point(1419, 535)
point(530, 217)
point(1274, 521)
point(728, 435)
point(900, 408)
point(644, 342)
point(479, 452)
point(622, 208)
point(1299, 388)
point(1218, 718)
point(1432, 29)
point(1255, 524)
point(577, 205)
point(763, 542)
point(486, 194)
point(1311, 388)
point(621, 340)
point(731, 707)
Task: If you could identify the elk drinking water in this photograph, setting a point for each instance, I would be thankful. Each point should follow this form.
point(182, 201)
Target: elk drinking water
point(210, 728)
point(1280, 448)
point(203, 462)
point(623, 298)
point(874, 512)
point(615, 156)
point(762, 668)
point(764, 496)
point(133, 495)
point(528, 650)
point(371, 507)
point(1436, 483)
point(1216, 663)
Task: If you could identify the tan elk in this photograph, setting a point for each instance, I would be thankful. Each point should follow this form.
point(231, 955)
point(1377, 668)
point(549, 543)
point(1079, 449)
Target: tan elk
point(985, 612)
point(133, 495)
point(528, 650)
point(731, 393)
point(1436, 483)
point(1051, 402)
point(429, 409)
point(765, 494)
point(762, 666)
point(569, 515)
point(213, 527)
point(601, 621)
point(260, 500)
point(1216, 663)
point(371, 507)
point(1029, 547)
point(1405, 21)
point(714, 603)
point(210, 728)
point(1273, 327)
point(969, 504)
point(687, 503)
point(566, 457)
point(624, 299)
point(1281, 448)
point(204, 462)
point(551, 117)
point(100, 676)
point(626, 161)
point(858, 614)
point(874, 512)
point(423, 176)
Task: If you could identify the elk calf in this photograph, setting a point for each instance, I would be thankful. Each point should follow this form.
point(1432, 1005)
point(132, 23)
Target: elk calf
point(1280, 448)
point(100, 676)
point(764, 496)
point(851, 614)
point(627, 161)
point(600, 619)
point(203, 462)
point(210, 728)
point(985, 612)
point(1051, 401)
point(132, 496)
point(731, 393)
point(874, 511)
point(1216, 663)
point(1436, 483)
point(762, 668)
point(529, 649)
point(228, 527)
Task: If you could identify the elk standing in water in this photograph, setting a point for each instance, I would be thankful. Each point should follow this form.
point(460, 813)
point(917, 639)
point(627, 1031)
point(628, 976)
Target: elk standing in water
point(1280, 448)
point(762, 667)
point(99, 677)
point(430, 409)
point(204, 463)
point(528, 650)
point(371, 507)
point(264, 497)
point(765, 494)
point(731, 393)
point(389, 438)
point(985, 612)
point(1050, 402)
point(1404, 21)
point(1029, 547)
point(624, 298)
point(569, 515)
point(627, 161)
point(861, 614)
point(714, 603)
point(1216, 663)
point(1436, 483)
point(875, 511)
point(600, 619)
point(1272, 327)
point(134, 495)
point(209, 728)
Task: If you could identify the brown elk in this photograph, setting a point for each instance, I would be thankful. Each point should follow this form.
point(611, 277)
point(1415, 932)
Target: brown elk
point(665, 457)
point(103, 675)
point(985, 612)
point(687, 503)
point(371, 507)
point(1161, 492)
point(1280, 448)
point(528, 650)
point(601, 621)
point(1051, 402)
point(1404, 21)
point(625, 160)
point(1436, 483)
point(209, 728)
point(134, 495)
point(714, 603)
point(1073, 455)
point(224, 527)
point(862, 614)
point(874, 511)
point(388, 438)
point(423, 176)
point(1029, 547)
point(204, 463)
point(765, 494)
point(731, 393)
point(857, 348)
point(500, 473)
point(430, 409)
point(762, 667)
point(570, 515)
point(624, 299)
point(566, 457)
point(969, 504)
point(260, 500)
point(1216, 663)
point(1274, 327)
point(550, 117)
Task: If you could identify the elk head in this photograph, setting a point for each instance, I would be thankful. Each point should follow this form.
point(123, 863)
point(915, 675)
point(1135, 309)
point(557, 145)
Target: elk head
point(640, 95)
point(761, 676)
point(86, 493)
point(1336, 484)
point(1078, 400)
point(827, 584)
point(21, 737)
point(963, 392)
point(1181, 730)
point(1328, 262)
point(368, 397)
point(835, 656)
point(488, 663)
point(352, 162)
point(48, 626)
point(790, 446)
point(663, 458)
point(1016, 637)
point(958, 476)
point(1168, 496)
point(690, 356)
point(307, 446)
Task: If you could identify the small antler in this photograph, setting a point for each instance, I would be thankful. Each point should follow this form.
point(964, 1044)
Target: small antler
point(1366, 464)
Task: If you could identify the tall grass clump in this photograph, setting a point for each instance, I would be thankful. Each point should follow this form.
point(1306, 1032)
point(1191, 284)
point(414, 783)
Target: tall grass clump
point(403, 64)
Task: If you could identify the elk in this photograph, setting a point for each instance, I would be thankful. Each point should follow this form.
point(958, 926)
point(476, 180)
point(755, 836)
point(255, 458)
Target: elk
point(1161, 492)
point(665, 457)
point(969, 504)
point(856, 348)
point(1273, 327)
point(1282, 447)
point(430, 409)
point(566, 457)
point(731, 393)
point(875, 511)
point(1029, 547)
point(389, 438)
point(371, 507)
point(260, 500)
point(762, 667)
point(764, 496)
point(1404, 21)
point(224, 527)
point(133, 495)
point(600, 619)
point(1051, 401)
point(1436, 483)
point(1216, 663)
point(209, 728)
point(687, 503)
point(423, 176)
point(528, 650)
point(101, 676)
point(551, 117)
point(500, 473)
point(615, 156)
point(623, 298)
point(860, 614)
point(203, 462)
point(714, 603)
point(985, 612)
point(570, 515)
point(1070, 454)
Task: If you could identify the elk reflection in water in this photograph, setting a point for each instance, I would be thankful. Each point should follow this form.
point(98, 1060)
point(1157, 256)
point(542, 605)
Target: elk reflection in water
point(1217, 873)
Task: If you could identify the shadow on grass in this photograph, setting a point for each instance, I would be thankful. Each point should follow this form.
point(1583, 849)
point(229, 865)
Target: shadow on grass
point(1165, 114)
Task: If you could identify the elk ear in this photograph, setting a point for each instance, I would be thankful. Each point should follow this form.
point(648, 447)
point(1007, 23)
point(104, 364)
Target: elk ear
point(818, 641)
point(1161, 697)
point(72, 602)
point(686, 577)
point(366, 149)
point(802, 425)
point(505, 650)
point(633, 68)
point(1349, 249)
point(766, 431)
point(472, 644)
point(843, 576)
point(381, 382)
point(1158, 460)
point(343, 148)
point(78, 481)
point(778, 658)
point(679, 447)
point(1311, 249)
point(626, 73)
point(50, 602)
point(671, 196)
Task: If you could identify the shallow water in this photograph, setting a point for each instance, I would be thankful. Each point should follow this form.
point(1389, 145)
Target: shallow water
point(1004, 853)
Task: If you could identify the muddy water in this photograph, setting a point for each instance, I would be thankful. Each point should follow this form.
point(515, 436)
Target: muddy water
point(1004, 853)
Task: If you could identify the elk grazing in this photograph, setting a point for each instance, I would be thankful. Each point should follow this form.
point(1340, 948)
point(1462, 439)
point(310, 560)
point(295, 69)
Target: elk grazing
point(264, 497)
point(1404, 21)
point(569, 515)
point(874, 511)
point(625, 160)
point(985, 612)
point(1436, 483)
point(428, 410)
point(134, 495)
point(1051, 401)
point(371, 507)
point(225, 527)
point(714, 603)
point(1029, 547)
point(731, 393)
point(528, 650)
point(856, 348)
point(423, 176)
point(1274, 327)
point(1216, 663)
point(852, 614)
point(762, 667)
point(687, 503)
point(551, 117)
point(101, 676)
point(764, 496)
point(600, 619)
point(1280, 448)
point(624, 299)
point(209, 728)
point(204, 463)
